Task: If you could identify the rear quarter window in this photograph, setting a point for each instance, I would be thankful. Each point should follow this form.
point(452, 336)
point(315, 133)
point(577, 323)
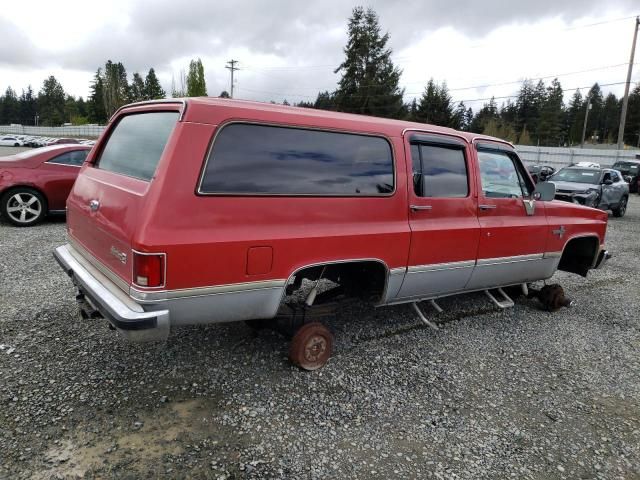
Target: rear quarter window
point(249, 159)
point(135, 145)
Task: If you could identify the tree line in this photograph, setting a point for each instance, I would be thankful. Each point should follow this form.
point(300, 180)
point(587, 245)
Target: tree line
point(110, 89)
point(370, 85)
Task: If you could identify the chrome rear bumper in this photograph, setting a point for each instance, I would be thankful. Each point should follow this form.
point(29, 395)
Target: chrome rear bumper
point(109, 302)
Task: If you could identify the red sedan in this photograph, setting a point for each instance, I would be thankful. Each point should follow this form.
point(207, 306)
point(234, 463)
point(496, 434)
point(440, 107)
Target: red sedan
point(37, 182)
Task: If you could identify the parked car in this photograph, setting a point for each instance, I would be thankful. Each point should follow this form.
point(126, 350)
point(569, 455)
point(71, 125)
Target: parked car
point(36, 183)
point(63, 141)
point(630, 170)
point(602, 188)
point(206, 210)
point(540, 173)
point(586, 165)
point(10, 141)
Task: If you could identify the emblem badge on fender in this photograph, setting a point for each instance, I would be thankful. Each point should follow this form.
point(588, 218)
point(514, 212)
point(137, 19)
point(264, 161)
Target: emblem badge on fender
point(118, 254)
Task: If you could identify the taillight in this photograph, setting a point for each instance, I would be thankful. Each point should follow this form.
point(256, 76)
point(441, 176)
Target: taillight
point(148, 269)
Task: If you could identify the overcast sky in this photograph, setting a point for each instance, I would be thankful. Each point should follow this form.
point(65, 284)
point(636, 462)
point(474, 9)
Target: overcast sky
point(289, 48)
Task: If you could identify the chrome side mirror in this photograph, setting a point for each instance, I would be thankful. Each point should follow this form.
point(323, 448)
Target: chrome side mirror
point(545, 191)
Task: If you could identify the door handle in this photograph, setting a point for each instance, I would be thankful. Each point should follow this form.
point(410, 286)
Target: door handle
point(487, 207)
point(94, 205)
point(415, 208)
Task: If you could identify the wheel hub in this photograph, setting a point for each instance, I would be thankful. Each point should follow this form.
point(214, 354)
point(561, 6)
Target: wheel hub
point(315, 348)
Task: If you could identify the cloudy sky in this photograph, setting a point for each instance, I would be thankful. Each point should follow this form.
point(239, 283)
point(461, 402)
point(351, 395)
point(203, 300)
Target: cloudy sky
point(288, 49)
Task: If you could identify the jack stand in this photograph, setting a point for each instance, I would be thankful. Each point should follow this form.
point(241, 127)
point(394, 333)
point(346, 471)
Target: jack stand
point(436, 306)
point(506, 301)
point(422, 317)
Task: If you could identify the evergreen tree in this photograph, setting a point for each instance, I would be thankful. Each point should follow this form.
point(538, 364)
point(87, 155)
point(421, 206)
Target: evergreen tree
point(524, 138)
point(488, 112)
point(95, 105)
point(225, 94)
point(370, 82)
point(51, 103)
point(70, 109)
point(632, 127)
point(436, 106)
point(136, 89)
point(9, 108)
point(575, 117)
point(325, 101)
point(610, 118)
point(116, 88)
point(152, 88)
point(595, 122)
point(196, 85)
point(28, 107)
point(551, 124)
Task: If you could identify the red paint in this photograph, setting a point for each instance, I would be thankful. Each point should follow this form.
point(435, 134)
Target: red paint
point(208, 240)
point(52, 180)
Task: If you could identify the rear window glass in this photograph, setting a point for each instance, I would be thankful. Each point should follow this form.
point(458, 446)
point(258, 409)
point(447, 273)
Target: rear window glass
point(269, 160)
point(136, 144)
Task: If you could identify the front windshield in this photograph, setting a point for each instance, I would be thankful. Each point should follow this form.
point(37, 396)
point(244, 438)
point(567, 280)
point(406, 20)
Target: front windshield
point(578, 175)
point(630, 167)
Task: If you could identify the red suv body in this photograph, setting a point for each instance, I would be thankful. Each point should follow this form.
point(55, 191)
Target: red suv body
point(212, 210)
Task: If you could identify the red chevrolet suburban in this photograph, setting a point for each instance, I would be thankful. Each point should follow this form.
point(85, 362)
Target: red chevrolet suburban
point(211, 210)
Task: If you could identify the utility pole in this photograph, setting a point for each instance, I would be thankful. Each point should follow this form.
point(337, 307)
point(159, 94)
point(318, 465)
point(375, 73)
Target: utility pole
point(625, 101)
point(231, 66)
point(586, 117)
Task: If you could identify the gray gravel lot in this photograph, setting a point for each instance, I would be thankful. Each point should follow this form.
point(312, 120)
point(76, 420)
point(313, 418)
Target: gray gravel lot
point(521, 393)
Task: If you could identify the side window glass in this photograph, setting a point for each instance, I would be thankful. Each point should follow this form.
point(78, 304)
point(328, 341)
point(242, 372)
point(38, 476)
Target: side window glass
point(417, 169)
point(78, 157)
point(615, 177)
point(439, 172)
point(499, 176)
point(64, 159)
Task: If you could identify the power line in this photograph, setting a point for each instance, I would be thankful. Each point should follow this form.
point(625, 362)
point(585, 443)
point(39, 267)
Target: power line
point(471, 87)
point(293, 95)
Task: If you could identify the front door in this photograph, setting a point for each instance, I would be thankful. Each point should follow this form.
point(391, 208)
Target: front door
point(514, 231)
point(442, 216)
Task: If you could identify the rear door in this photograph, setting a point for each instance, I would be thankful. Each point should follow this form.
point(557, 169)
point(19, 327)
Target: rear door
point(104, 208)
point(513, 228)
point(442, 216)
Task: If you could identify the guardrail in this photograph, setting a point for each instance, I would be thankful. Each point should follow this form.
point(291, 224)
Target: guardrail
point(78, 131)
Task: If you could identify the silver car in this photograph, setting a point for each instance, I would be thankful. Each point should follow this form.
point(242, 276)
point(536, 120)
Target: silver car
point(602, 188)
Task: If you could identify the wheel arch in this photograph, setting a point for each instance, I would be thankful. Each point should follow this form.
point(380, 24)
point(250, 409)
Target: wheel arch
point(580, 254)
point(380, 267)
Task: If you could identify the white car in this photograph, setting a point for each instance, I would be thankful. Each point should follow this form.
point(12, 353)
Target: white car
point(587, 165)
point(8, 141)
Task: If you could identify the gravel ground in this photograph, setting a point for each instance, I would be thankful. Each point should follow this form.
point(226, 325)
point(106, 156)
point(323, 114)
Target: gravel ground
point(521, 393)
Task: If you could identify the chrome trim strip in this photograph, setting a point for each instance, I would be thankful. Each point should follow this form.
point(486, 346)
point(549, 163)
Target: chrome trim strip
point(64, 164)
point(434, 267)
point(159, 296)
point(503, 260)
point(222, 126)
point(552, 255)
point(124, 286)
point(398, 271)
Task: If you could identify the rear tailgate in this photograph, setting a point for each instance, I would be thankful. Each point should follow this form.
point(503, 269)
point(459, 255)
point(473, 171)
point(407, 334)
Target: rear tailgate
point(107, 200)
